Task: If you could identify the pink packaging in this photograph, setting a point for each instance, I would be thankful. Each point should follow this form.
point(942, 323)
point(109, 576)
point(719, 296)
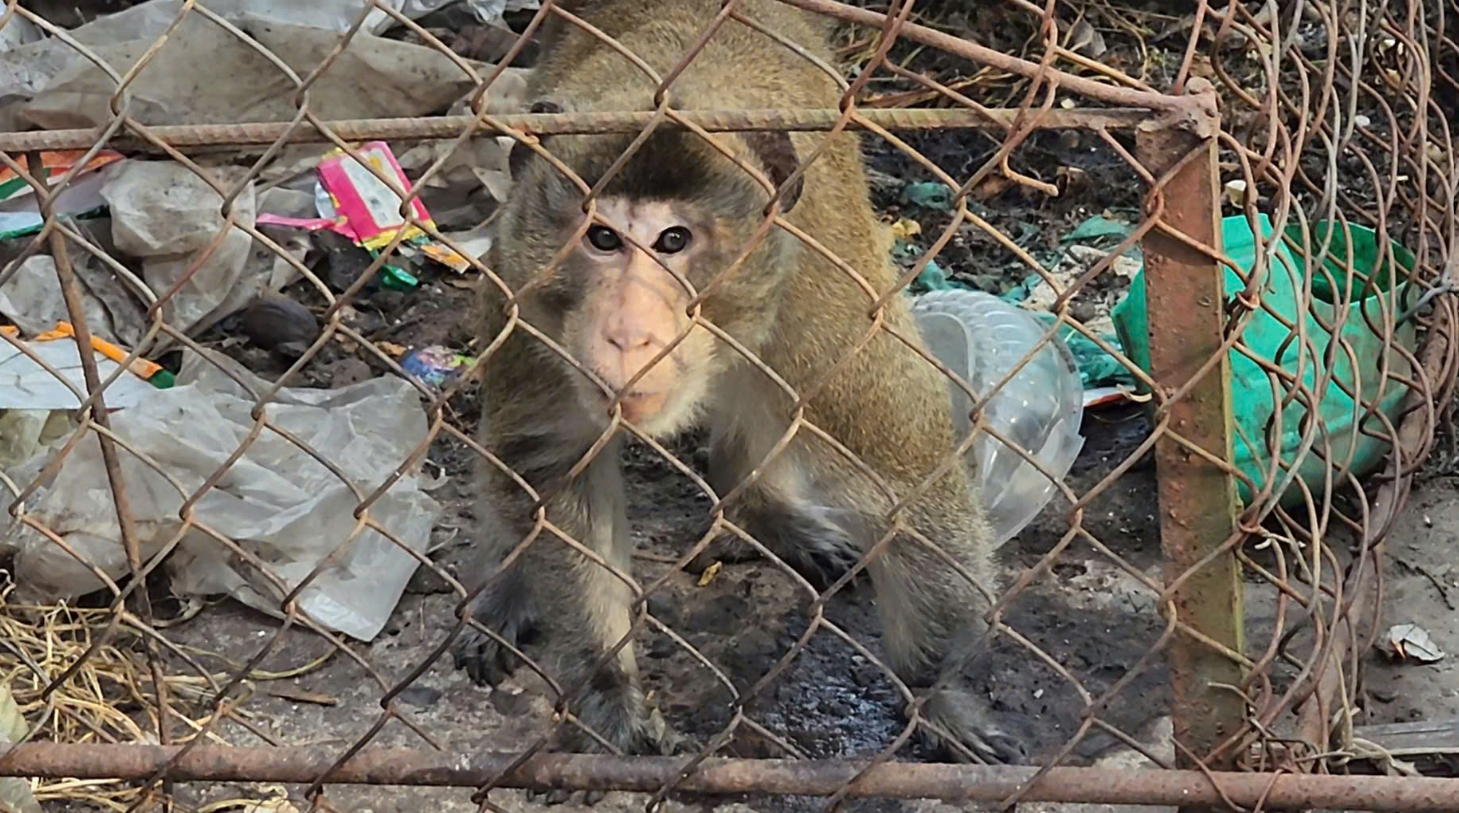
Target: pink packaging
point(371, 210)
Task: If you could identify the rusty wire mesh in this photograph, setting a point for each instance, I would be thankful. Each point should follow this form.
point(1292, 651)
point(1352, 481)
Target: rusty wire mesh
point(1299, 122)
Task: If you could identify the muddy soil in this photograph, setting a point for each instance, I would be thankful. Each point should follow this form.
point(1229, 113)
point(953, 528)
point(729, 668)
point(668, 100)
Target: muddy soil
point(831, 701)
point(1089, 616)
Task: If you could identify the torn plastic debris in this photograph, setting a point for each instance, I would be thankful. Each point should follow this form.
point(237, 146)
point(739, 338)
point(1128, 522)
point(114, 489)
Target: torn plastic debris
point(19, 31)
point(276, 501)
point(151, 19)
point(1410, 641)
point(166, 214)
point(149, 371)
point(206, 75)
point(16, 795)
point(35, 405)
point(19, 212)
point(32, 299)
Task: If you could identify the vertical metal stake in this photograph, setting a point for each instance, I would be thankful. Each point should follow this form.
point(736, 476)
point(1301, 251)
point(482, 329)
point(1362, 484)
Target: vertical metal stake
point(1184, 299)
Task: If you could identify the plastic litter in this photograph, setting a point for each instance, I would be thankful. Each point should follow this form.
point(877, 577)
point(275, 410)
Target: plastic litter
point(20, 214)
point(164, 213)
point(35, 406)
point(1410, 641)
point(277, 502)
point(206, 75)
point(982, 337)
point(1345, 434)
point(150, 19)
point(369, 208)
point(436, 366)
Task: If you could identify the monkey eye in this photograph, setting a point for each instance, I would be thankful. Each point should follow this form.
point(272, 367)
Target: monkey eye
point(672, 240)
point(604, 238)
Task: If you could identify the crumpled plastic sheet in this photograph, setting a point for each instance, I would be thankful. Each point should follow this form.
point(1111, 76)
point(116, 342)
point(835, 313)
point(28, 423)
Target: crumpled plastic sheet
point(206, 75)
point(164, 213)
point(276, 501)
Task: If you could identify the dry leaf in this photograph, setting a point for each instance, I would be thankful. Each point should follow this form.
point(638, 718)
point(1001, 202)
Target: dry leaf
point(1085, 39)
point(392, 348)
point(905, 228)
point(299, 695)
point(709, 573)
point(991, 187)
point(462, 282)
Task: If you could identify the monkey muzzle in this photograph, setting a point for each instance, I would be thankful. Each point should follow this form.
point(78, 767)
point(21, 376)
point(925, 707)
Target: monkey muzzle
point(640, 406)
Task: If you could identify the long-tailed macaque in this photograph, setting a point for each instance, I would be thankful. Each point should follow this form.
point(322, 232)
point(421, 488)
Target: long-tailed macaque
point(614, 297)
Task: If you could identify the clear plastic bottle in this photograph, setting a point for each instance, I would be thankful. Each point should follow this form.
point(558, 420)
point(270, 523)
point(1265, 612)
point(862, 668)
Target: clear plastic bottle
point(982, 337)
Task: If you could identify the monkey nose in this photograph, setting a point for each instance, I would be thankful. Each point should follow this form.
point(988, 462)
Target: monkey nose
point(626, 337)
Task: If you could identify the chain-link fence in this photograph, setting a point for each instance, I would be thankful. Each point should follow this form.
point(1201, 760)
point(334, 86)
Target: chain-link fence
point(1229, 232)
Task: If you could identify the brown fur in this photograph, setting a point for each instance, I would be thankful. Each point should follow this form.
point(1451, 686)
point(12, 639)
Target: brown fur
point(794, 309)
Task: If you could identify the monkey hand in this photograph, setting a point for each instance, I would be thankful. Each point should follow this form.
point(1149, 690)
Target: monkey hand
point(507, 609)
point(967, 718)
point(812, 540)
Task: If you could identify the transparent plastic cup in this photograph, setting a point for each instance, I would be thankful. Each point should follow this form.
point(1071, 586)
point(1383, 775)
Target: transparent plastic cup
point(981, 337)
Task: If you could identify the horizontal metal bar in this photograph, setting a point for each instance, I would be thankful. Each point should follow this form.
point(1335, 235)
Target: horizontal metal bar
point(183, 136)
point(953, 783)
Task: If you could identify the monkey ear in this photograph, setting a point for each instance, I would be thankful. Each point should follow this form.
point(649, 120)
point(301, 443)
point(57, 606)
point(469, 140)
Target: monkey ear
point(777, 156)
point(521, 152)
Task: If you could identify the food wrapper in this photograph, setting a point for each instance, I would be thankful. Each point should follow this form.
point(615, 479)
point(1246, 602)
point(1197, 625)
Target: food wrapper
point(371, 210)
point(56, 163)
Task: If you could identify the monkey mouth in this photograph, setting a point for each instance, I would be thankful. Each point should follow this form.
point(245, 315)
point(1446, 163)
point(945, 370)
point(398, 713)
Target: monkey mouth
point(638, 405)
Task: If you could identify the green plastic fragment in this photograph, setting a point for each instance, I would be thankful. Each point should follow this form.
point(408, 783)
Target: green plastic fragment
point(397, 279)
point(1098, 226)
point(929, 194)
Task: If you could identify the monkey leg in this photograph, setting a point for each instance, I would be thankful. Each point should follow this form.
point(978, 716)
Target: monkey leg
point(574, 597)
point(932, 618)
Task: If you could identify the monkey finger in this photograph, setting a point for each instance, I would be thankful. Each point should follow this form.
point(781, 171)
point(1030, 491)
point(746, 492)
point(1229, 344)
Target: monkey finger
point(549, 797)
point(723, 549)
point(1007, 749)
point(484, 661)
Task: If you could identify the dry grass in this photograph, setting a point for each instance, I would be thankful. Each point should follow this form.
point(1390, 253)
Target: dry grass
point(109, 695)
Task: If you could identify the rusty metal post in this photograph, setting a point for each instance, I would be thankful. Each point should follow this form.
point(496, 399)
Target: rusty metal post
point(1185, 299)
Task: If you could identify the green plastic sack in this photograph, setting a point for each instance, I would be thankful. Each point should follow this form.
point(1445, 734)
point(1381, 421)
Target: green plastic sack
point(1338, 433)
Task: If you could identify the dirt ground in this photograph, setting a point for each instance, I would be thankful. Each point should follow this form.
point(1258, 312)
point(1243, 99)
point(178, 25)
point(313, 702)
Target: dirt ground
point(831, 702)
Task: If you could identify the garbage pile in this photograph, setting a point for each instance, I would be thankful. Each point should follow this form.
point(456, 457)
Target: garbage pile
point(154, 231)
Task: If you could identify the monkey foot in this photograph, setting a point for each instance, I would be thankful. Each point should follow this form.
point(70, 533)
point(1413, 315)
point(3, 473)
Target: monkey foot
point(968, 719)
point(650, 736)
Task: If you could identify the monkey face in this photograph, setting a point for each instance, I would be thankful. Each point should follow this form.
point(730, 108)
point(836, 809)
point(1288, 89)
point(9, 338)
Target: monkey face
point(636, 305)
